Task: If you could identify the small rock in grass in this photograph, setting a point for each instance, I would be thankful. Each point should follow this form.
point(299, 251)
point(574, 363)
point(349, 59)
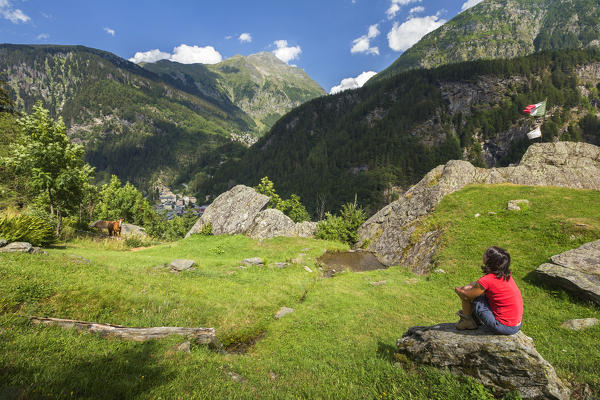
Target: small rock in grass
point(281, 264)
point(491, 213)
point(81, 260)
point(241, 267)
point(283, 311)
point(3, 242)
point(301, 254)
point(236, 377)
point(378, 283)
point(577, 324)
point(477, 215)
point(439, 271)
point(181, 265)
point(307, 269)
point(411, 281)
point(184, 347)
point(305, 249)
point(272, 376)
point(514, 205)
point(254, 261)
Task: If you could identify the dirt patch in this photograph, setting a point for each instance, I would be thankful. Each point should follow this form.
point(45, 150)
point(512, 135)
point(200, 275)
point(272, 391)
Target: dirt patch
point(356, 261)
point(242, 347)
point(140, 248)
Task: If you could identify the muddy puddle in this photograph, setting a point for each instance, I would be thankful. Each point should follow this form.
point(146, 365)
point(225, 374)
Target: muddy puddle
point(356, 261)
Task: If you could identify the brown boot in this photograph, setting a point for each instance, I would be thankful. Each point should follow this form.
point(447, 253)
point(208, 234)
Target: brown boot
point(466, 321)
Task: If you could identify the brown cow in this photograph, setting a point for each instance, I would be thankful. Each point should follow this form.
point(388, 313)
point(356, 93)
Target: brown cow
point(113, 227)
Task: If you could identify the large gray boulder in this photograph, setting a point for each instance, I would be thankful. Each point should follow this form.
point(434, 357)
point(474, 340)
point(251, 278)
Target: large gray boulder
point(305, 229)
point(271, 223)
point(501, 363)
point(233, 212)
point(389, 232)
point(18, 247)
point(577, 271)
point(133, 230)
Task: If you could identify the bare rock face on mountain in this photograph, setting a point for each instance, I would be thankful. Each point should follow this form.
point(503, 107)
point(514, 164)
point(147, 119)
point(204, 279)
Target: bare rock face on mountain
point(271, 223)
point(389, 233)
point(578, 271)
point(233, 212)
point(501, 363)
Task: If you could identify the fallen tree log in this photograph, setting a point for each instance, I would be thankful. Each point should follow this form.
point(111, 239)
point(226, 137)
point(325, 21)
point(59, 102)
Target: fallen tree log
point(198, 335)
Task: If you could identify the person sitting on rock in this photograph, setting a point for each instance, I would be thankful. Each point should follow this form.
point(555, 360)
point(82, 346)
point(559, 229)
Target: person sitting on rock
point(494, 300)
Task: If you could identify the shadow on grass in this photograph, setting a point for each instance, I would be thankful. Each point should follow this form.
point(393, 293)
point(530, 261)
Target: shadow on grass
point(386, 351)
point(557, 289)
point(121, 374)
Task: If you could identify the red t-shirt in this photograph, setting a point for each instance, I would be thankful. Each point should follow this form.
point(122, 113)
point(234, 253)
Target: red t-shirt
point(504, 298)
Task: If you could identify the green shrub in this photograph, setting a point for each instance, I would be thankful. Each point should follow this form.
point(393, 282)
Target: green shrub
point(206, 230)
point(343, 228)
point(26, 228)
point(132, 241)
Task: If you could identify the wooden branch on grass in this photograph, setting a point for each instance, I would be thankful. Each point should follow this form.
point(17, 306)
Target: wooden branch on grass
point(198, 335)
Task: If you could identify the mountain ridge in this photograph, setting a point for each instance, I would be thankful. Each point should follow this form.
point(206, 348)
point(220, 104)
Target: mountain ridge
point(503, 29)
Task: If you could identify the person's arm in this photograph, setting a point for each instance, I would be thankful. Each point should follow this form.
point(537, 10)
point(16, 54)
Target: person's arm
point(470, 291)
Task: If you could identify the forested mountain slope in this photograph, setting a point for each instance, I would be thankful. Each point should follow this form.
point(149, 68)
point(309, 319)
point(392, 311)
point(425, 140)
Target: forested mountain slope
point(380, 139)
point(261, 85)
point(504, 29)
point(177, 123)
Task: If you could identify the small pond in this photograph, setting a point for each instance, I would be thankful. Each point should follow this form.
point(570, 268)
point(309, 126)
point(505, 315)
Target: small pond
point(353, 260)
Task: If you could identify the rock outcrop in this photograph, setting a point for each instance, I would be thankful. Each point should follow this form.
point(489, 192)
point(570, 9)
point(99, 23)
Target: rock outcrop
point(233, 212)
point(501, 363)
point(133, 230)
point(389, 232)
point(240, 211)
point(271, 223)
point(577, 271)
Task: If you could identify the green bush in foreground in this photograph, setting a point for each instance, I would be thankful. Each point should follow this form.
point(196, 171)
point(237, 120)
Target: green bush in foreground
point(26, 228)
point(343, 228)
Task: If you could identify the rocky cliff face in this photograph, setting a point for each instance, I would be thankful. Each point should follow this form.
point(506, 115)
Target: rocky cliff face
point(389, 233)
point(504, 29)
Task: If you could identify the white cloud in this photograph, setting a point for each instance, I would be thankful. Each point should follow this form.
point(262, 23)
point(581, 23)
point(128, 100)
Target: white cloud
point(42, 36)
point(469, 3)
point(193, 55)
point(245, 37)
point(395, 7)
point(149, 56)
point(416, 10)
point(353, 83)
point(228, 37)
point(363, 43)
point(183, 54)
point(402, 36)
point(14, 15)
point(110, 31)
point(286, 53)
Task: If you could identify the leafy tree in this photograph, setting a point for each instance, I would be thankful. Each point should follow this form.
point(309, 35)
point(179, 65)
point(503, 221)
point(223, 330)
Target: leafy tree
point(116, 201)
point(291, 207)
point(54, 166)
point(267, 188)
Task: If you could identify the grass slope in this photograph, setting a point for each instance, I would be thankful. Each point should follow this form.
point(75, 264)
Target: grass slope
point(339, 342)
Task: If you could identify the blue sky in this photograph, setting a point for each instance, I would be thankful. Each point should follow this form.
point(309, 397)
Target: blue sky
point(331, 40)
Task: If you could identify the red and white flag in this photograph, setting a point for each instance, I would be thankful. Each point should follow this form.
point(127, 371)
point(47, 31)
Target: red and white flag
point(536, 110)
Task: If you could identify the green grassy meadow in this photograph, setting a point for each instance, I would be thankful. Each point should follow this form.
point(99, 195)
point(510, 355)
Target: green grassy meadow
point(339, 342)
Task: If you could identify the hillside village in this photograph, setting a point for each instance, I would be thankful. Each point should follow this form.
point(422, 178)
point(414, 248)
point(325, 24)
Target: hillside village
point(176, 205)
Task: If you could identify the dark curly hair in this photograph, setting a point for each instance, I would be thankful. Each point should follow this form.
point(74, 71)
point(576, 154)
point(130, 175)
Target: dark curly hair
point(497, 263)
